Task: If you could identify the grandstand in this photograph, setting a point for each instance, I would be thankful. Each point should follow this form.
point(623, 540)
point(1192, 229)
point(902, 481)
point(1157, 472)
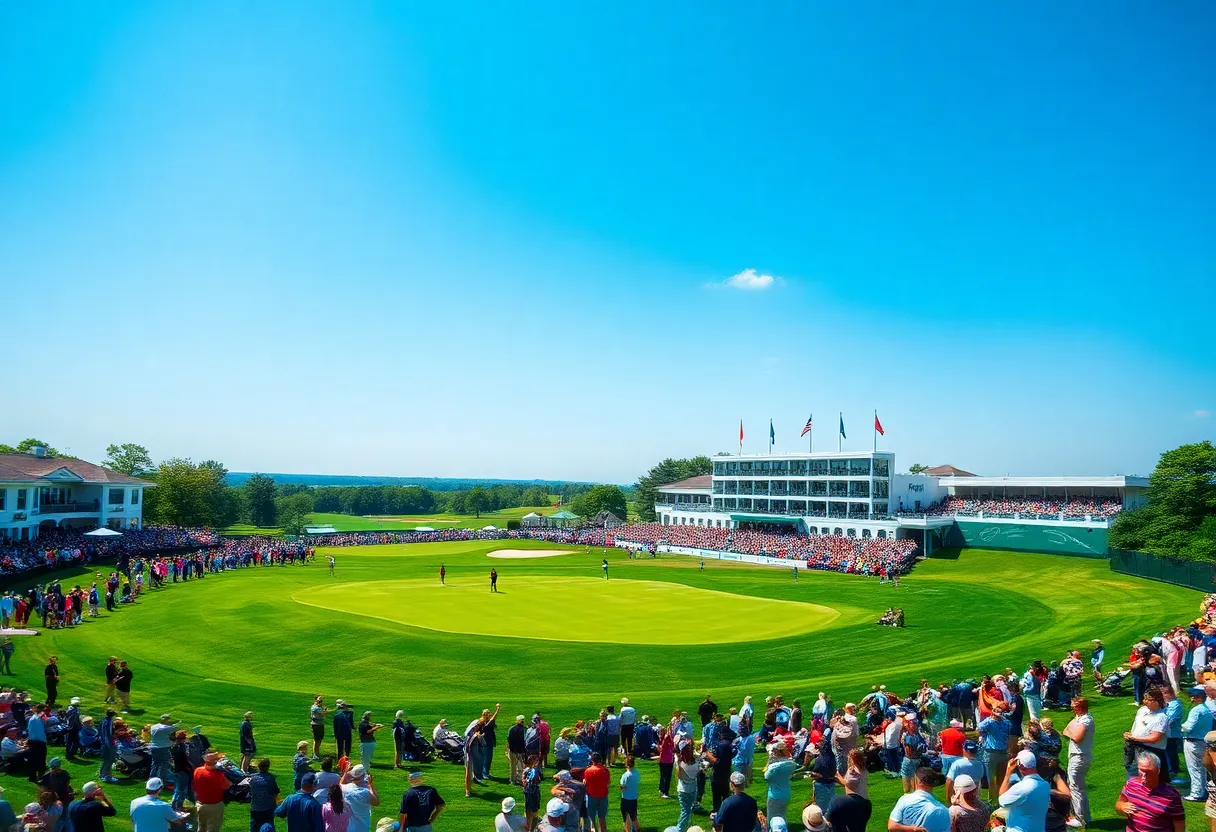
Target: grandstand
point(858, 495)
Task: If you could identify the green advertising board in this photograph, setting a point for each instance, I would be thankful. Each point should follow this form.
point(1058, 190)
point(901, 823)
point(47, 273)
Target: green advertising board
point(1061, 539)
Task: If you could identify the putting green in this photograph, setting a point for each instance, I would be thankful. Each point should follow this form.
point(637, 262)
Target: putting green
point(615, 611)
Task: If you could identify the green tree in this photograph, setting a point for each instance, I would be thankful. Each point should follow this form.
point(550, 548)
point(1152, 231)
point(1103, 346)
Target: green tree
point(535, 496)
point(26, 446)
point(917, 468)
point(186, 494)
point(259, 491)
point(129, 458)
point(669, 470)
point(1179, 519)
point(600, 498)
point(476, 501)
point(293, 511)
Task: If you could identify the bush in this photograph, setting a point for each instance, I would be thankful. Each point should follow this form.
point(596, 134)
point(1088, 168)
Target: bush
point(512, 525)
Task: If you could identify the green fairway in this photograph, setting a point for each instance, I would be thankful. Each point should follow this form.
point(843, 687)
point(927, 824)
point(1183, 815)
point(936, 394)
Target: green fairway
point(467, 606)
point(271, 638)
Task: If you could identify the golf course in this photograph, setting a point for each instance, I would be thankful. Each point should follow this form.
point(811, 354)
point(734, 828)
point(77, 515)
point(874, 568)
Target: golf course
point(384, 634)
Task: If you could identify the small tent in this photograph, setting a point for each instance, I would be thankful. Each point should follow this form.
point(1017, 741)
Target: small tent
point(563, 520)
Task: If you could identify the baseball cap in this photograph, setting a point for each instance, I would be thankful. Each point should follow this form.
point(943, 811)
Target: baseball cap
point(737, 778)
point(415, 775)
point(971, 746)
point(964, 783)
point(624, 700)
point(1026, 759)
point(954, 723)
point(508, 805)
point(562, 775)
point(247, 714)
point(74, 701)
point(55, 762)
point(556, 807)
point(154, 785)
point(1197, 691)
point(308, 778)
point(358, 771)
point(778, 825)
point(519, 718)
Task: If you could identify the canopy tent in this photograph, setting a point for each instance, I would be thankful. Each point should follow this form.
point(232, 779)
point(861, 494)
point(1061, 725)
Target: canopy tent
point(563, 519)
point(103, 532)
point(423, 529)
point(489, 528)
point(532, 520)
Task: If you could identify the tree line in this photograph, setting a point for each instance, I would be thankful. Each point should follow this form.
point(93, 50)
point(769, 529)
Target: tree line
point(1179, 519)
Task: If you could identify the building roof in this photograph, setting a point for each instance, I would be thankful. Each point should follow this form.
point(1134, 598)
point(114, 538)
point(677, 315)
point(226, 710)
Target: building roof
point(692, 482)
point(1045, 482)
point(947, 471)
point(42, 469)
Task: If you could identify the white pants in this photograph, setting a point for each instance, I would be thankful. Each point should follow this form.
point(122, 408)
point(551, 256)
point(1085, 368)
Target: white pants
point(1171, 673)
point(1193, 751)
point(1078, 767)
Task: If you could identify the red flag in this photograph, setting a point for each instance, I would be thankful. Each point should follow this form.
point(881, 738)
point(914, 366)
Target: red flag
point(878, 425)
point(740, 431)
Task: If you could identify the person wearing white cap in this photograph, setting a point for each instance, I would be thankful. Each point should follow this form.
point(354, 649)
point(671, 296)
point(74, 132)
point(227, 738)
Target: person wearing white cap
point(516, 749)
point(86, 813)
point(1026, 800)
point(968, 812)
point(360, 795)
point(151, 814)
point(249, 746)
point(739, 812)
point(420, 805)
point(555, 816)
point(920, 810)
point(628, 718)
point(508, 820)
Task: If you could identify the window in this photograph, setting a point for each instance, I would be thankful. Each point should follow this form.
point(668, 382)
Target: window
point(118, 496)
point(852, 532)
point(20, 499)
point(882, 533)
point(3, 498)
point(134, 498)
point(859, 467)
point(818, 467)
point(865, 534)
point(882, 466)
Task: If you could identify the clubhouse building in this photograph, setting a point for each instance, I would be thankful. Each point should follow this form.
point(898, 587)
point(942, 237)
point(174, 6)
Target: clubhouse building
point(858, 494)
point(39, 493)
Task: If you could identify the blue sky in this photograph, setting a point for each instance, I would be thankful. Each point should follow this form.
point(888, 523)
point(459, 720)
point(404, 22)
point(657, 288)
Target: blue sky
point(464, 239)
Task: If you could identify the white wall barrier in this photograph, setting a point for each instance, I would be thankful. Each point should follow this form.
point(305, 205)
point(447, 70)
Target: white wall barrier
point(759, 560)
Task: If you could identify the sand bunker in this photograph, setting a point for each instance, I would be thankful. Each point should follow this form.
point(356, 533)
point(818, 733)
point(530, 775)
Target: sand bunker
point(522, 554)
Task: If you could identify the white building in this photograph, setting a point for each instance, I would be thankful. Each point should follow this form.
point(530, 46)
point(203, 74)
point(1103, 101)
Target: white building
point(38, 492)
point(857, 494)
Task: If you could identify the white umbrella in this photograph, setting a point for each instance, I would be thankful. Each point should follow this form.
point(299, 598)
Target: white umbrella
point(489, 528)
point(103, 532)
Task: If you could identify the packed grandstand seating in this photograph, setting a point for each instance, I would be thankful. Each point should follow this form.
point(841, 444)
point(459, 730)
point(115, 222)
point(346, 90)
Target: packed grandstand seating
point(872, 556)
point(865, 556)
point(1100, 508)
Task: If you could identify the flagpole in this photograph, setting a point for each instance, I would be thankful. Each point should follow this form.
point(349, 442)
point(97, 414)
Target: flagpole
point(839, 438)
point(875, 429)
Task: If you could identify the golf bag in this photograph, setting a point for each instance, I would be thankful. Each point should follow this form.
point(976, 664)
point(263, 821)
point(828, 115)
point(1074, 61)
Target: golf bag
point(1112, 683)
point(418, 749)
point(450, 748)
point(238, 791)
point(136, 763)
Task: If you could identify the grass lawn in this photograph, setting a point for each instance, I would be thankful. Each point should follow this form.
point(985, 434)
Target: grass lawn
point(383, 634)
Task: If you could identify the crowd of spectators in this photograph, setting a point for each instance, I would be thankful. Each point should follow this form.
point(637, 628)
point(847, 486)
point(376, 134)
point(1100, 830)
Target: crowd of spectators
point(1100, 508)
point(863, 556)
point(64, 547)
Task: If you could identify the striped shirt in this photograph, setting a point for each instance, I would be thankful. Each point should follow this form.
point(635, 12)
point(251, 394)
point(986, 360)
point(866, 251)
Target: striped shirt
point(1156, 809)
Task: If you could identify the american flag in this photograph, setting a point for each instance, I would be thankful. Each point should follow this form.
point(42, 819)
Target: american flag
point(806, 429)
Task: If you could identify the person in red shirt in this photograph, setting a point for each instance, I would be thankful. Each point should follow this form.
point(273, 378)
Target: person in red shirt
point(595, 779)
point(209, 786)
point(951, 741)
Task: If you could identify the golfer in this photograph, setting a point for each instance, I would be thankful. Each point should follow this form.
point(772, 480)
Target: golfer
point(493, 580)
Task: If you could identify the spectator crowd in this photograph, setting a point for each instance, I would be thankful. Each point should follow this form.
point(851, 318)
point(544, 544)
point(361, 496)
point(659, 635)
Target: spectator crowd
point(1099, 508)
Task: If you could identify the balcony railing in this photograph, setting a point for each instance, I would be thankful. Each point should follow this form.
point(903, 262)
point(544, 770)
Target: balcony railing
point(70, 508)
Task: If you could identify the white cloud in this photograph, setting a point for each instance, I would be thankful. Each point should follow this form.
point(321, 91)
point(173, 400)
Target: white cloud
point(748, 280)
point(1202, 414)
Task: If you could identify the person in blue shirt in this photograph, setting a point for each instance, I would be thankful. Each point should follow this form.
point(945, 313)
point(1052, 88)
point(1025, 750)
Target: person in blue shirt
point(35, 734)
point(249, 746)
point(1026, 800)
point(301, 809)
point(1198, 723)
point(1173, 734)
point(994, 741)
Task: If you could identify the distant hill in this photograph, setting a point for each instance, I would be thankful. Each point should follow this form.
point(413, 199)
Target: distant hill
point(236, 478)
